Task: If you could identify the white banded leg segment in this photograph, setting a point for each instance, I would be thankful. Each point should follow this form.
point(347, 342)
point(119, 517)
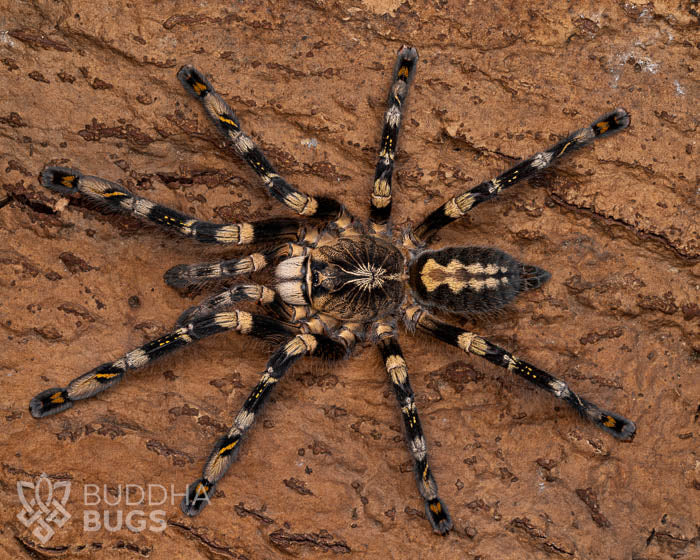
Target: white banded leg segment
point(57, 399)
point(611, 422)
point(256, 293)
point(183, 275)
point(395, 365)
point(226, 448)
point(117, 198)
point(227, 123)
point(459, 205)
point(52, 401)
point(380, 201)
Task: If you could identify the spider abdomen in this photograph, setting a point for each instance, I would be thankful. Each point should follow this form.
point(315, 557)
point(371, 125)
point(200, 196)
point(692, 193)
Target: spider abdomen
point(470, 279)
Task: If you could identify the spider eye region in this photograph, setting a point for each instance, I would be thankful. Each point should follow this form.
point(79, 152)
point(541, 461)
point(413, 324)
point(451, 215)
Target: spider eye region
point(356, 279)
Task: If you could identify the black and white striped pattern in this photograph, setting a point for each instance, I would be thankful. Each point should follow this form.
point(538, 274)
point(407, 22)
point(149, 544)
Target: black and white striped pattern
point(395, 365)
point(256, 293)
point(459, 205)
point(226, 448)
point(380, 201)
point(227, 122)
point(114, 197)
point(106, 375)
point(611, 422)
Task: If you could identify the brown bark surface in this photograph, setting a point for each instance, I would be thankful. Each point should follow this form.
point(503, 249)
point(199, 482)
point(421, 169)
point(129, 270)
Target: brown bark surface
point(325, 471)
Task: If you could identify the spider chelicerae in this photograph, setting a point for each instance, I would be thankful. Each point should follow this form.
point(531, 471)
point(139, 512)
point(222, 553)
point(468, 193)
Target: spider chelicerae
point(337, 282)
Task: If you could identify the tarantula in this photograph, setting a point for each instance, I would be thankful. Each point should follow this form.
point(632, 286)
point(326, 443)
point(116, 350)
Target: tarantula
point(337, 282)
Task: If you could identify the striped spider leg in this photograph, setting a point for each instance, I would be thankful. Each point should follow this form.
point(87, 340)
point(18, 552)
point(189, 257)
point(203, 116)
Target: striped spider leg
point(611, 422)
point(435, 509)
point(104, 376)
point(183, 275)
point(380, 201)
point(457, 206)
point(226, 448)
point(113, 196)
point(227, 123)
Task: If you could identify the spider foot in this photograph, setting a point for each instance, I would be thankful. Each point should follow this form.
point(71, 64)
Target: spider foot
point(61, 179)
point(612, 122)
point(439, 517)
point(51, 401)
point(194, 81)
point(198, 494)
point(611, 422)
point(406, 63)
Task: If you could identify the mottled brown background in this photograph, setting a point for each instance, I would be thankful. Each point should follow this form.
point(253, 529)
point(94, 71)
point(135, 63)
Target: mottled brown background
point(325, 472)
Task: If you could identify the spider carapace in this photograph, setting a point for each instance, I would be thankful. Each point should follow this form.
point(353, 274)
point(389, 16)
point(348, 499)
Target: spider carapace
point(337, 281)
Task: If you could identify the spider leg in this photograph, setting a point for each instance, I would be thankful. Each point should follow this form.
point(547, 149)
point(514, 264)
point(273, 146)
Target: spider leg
point(227, 123)
point(226, 448)
point(613, 423)
point(115, 197)
point(266, 297)
point(380, 201)
point(182, 275)
point(459, 205)
point(57, 399)
point(435, 509)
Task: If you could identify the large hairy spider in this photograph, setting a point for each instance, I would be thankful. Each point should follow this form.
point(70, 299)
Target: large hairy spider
point(337, 282)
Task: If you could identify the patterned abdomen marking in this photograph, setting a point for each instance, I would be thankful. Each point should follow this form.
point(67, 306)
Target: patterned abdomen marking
point(470, 279)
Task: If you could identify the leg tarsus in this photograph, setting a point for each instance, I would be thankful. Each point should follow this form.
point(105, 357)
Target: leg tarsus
point(197, 497)
point(615, 424)
point(48, 402)
point(439, 517)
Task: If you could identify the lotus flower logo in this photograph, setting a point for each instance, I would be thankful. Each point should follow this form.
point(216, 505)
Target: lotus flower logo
point(42, 505)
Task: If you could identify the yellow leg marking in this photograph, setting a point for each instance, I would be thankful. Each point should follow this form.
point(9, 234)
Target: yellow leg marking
point(227, 121)
point(609, 422)
point(464, 202)
point(228, 447)
point(67, 181)
point(403, 72)
point(115, 193)
point(106, 375)
point(199, 87)
point(56, 398)
point(436, 508)
point(564, 148)
point(478, 346)
point(382, 330)
point(602, 126)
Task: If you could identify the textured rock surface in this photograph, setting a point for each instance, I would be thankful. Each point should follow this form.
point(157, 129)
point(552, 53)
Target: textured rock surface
point(326, 472)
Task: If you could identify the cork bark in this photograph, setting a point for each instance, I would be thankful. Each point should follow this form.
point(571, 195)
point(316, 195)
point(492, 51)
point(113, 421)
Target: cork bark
point(325, 471)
